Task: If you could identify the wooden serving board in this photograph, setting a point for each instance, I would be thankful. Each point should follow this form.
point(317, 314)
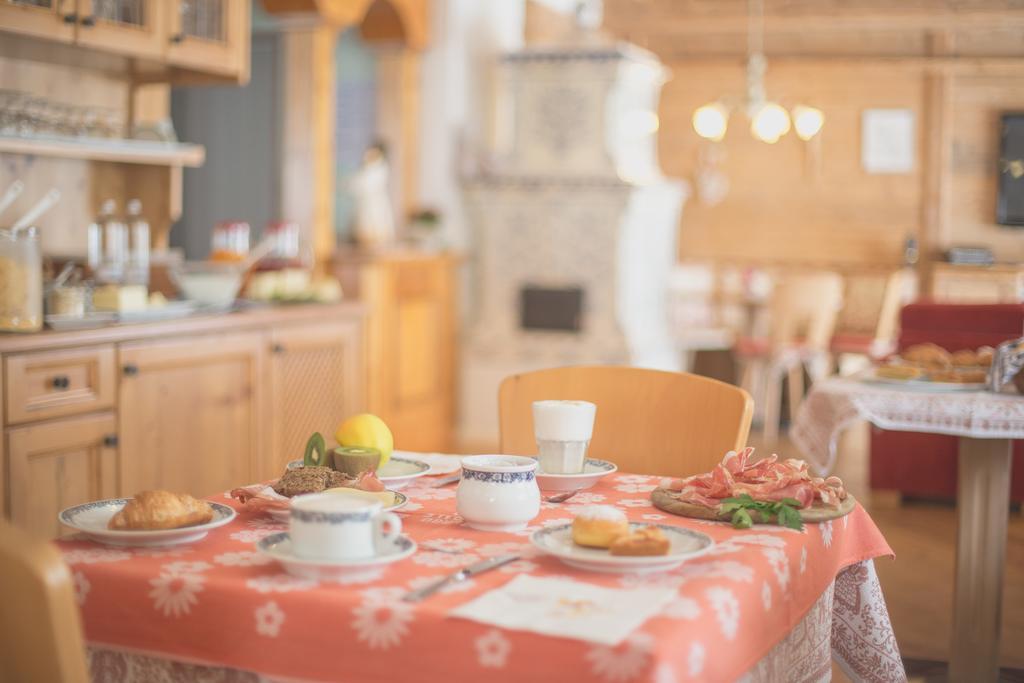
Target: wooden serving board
point(666, 500)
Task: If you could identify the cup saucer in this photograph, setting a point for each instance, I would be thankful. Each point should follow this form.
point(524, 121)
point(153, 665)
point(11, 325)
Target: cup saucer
point(279, 547)
point(593, 470)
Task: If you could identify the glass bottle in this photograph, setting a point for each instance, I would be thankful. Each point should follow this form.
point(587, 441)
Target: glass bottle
point(138, 234)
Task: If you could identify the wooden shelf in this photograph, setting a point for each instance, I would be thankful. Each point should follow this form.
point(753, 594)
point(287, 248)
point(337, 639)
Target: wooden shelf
point(121, 151)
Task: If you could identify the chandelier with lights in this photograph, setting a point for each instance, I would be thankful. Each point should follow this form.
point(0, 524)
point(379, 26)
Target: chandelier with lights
point(769, 120)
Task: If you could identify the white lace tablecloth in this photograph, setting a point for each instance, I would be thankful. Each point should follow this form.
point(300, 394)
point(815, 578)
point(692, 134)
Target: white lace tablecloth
point(834, 403)
point(849, 623)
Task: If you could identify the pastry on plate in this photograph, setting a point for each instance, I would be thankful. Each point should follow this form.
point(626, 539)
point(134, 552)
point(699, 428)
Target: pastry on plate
point(649, 540)
point(964, 358)
point(985, 354)
point(927, 355)
point(597, 526)
point(151, 510)
point(898, 372)
point(960, 376)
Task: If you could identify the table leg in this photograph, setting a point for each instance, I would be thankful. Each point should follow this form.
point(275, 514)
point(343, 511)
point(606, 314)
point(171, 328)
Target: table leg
point(983, 500)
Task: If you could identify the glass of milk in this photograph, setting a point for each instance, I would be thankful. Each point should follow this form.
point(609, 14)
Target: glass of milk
point(563, 430)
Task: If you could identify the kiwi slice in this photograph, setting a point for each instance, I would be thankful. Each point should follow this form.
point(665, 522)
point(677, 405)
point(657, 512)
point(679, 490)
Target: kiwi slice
point(316, 452)
point(355, 460)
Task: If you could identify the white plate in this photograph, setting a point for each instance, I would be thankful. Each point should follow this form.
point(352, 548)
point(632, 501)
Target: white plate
point(279, 547)
point(91, 519)
point(593, 470)
point(922, 385)
point(440, 463)
point(396, 473)
point(400, 500)
point(685, 545)
point(169, 311)
point(80, 322)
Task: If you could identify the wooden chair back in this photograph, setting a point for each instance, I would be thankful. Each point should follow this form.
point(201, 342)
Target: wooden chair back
point(648, 421)
point(804, 309)
point(872, 302)
point(40, 628)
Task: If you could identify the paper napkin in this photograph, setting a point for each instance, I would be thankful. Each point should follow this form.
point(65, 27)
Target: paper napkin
point(569, 609)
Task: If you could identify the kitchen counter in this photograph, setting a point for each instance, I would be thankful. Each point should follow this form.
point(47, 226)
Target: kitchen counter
point(197, 404)
point(199, 323)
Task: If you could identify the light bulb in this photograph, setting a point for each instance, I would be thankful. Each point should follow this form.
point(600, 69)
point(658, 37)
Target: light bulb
point(770, 123)
point(807, 121)
point(711, 121)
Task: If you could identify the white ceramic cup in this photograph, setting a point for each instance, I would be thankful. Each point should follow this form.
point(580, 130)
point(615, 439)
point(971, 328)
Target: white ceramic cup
point(330, 527)
point(563, 430)
point(498, 492)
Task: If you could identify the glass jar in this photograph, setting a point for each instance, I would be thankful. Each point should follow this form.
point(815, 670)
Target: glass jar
point(21, 281)
point(230, 241)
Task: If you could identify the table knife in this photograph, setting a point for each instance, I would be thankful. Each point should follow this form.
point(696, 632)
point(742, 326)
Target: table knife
point(461, 575)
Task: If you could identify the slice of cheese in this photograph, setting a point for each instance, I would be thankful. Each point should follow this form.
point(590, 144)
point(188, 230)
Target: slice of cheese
point(387, 498)
point(120, 298)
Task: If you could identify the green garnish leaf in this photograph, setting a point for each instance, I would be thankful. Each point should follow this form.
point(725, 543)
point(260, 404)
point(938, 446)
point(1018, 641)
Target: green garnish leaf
point(741, 519)
point(786, 512)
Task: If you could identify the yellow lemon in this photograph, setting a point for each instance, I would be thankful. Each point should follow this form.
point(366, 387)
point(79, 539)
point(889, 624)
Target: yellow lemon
point(366, 431)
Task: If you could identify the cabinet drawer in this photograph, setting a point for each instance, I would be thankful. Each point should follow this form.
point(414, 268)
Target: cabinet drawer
point(55, 383)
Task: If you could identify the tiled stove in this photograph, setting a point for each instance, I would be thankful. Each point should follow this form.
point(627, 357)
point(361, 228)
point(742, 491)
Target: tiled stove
point(575, 228)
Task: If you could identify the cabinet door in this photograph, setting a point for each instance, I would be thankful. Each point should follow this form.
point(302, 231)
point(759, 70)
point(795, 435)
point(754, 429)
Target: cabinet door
point(412, 349)
point(58, 464)
point(53, 19)
point(315, 382)
point(210, 35)
point(189, 416)
point(131, 27)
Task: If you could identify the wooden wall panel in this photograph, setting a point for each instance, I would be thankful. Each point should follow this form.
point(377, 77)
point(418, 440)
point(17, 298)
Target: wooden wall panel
point(977, 105)
point(784, 204)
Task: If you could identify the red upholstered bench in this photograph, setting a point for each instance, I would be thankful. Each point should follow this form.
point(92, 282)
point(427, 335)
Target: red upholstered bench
point(925, 465)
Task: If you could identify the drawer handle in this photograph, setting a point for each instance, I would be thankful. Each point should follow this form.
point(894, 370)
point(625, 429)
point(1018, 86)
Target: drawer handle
point(70, 18)
point(60, 382)
point(110, 440)
point(277, 348)
point(177, 38)
point(88, 21)
point(130, 370)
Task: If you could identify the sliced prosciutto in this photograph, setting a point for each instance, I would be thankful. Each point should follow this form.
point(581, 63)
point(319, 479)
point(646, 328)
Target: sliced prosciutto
point(768, 479)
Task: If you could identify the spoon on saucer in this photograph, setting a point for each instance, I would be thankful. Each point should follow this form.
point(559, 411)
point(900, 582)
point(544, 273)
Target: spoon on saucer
point(561, 497)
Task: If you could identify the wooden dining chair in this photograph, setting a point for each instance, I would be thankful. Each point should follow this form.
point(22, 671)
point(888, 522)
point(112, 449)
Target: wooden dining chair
point(804, 308)
point(648, 421)
point(40, 628)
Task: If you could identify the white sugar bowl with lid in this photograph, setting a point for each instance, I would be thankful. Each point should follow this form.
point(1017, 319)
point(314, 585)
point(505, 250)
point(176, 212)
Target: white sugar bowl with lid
point(498, 492)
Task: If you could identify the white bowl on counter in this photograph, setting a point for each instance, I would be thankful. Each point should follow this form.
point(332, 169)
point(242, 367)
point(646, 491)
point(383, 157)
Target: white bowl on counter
point(211, 284)
point(498, 492)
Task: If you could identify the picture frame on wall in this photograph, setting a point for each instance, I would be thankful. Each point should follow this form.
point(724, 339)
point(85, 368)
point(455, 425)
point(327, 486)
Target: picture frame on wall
point(888, 141)
point(1010, 198)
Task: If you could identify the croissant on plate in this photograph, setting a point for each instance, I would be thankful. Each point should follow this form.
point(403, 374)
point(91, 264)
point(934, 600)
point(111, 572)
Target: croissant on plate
point(150, 510)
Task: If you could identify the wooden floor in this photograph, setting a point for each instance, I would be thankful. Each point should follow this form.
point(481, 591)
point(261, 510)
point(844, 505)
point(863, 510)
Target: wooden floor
point(918, 583)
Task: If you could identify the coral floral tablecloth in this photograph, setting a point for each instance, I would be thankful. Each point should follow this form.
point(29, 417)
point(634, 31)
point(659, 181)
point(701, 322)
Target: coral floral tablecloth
point(763, 606)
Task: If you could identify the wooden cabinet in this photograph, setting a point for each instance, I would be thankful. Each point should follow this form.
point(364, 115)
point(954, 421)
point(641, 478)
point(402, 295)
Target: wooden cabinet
point(57, 464)
point(190, 413)
point(209, 35)
point(171, 39)
point(314, 384)
point(131, 27)
point(50, 19)
point(411, 342)
point(57, 383)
